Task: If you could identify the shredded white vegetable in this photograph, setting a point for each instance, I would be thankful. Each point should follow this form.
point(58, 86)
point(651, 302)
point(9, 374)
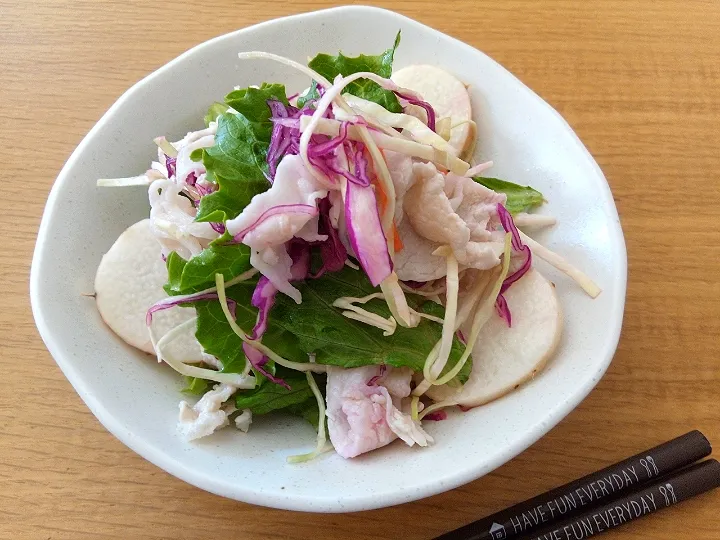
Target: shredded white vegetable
point(241, 380)
point(477, 169)
point(326, 126)
point(422, 292)
point(141, 180)
point(322, 444)
point(533, 221)
point(587, 284)
point(443, 127)
point(482, 315)
point(432, 369)
point(357, 313)
point(166, 146)
point(397, 302)
point(413, 125)
point(471, 299)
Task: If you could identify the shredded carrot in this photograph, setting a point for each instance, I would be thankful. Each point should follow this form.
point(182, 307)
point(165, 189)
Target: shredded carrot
point(382, 201)
point(396, 239)
point(380, 195)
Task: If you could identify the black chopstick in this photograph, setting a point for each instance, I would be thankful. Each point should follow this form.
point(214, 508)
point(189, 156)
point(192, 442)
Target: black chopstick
point(672, 489)
point(580, 495)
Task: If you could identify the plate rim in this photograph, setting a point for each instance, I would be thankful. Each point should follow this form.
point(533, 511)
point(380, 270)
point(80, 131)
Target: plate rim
point(319, 504)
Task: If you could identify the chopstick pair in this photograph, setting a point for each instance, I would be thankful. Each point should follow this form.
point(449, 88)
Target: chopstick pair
point(630, 489)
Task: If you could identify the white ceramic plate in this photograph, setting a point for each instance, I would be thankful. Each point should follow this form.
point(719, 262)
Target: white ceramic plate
point(137, 400)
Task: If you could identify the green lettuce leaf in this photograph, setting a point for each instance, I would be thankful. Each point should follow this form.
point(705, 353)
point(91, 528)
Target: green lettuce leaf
point(252, 102)
point(215, 110)
point(272, 397)
point(237, 161)
point(307, 410)
point(196, 386)
point(316, 327)
point(332, 66)
point(311, 94)
point(198, 273)
point(519, 198)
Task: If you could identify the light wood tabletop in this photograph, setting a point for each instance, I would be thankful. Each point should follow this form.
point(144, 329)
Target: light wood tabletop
point(638, 80)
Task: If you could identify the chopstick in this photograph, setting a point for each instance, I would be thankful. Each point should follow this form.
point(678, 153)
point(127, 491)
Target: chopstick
point(677, 487)
point(585, 493)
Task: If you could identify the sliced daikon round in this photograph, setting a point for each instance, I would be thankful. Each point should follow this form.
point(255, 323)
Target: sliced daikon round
point(506, 357)
point(447, 95)
point(129, 280)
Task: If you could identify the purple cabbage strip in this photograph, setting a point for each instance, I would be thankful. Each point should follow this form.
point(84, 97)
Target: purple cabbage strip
point(218, 227)
point(329, 146)
point(203, 189)
point(167, 303)
point(356, 152)
point(420, 103)
point(361, 164)
point(503, 310)
point(509, 226)
point(191, 179)
point(285, 140)
point(257, 360)
point(332, 250)
point(280, 136)
point(374, 379)
point(299, 251)
point(415, 284)
point(170, 165)
point(273, 211)
point(263, 298)
point(436, 416)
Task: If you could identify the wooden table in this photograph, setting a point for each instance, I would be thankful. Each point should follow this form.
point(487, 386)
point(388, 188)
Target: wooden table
point(640, 83)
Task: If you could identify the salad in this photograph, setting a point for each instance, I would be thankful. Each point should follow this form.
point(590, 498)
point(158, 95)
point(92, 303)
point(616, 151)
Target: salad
point(337, 255)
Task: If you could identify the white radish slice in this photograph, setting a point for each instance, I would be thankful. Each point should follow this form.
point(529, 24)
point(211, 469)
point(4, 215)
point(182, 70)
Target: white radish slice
point(129, 280)
point(503, 357)
point(447, 95)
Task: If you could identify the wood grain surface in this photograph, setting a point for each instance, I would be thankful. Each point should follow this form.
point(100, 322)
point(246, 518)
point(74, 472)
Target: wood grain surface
point(639, 81)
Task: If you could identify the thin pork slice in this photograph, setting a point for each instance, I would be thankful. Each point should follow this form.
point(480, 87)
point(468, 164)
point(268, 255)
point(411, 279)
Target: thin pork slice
point(363, 409)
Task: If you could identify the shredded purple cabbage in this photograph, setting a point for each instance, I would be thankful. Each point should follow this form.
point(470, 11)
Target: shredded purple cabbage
point(285, 140)
point(420, 103)
point(436, 416)
point(503, 309)
point(285, 136)
point(263, 298)
point(332, 250)
point(381, 372)
point(508, 225)
point(170, 165)
point(299, 252)
point(274, 211)
point(167, 303)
